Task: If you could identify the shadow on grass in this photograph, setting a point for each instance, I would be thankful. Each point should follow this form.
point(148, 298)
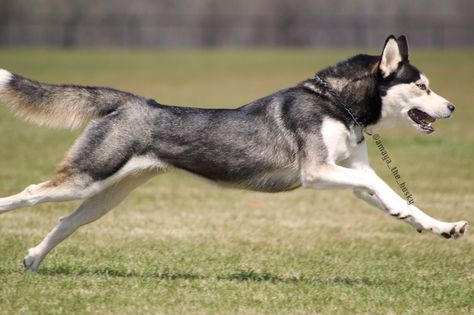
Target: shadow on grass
point(238, 276)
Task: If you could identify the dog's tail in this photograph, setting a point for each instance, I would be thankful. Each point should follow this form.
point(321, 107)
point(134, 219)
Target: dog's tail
point(64, 106)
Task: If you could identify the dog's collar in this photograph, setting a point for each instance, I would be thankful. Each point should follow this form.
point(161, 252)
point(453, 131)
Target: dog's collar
point(327, 87)
point(336, 97)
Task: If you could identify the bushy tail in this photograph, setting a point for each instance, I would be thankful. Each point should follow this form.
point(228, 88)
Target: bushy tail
point(65, 106)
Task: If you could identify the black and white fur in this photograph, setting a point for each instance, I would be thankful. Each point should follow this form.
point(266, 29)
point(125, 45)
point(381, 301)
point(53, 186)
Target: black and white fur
point(296, 137)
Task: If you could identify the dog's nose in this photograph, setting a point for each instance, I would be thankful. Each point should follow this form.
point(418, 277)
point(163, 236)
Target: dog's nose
point(451, 107)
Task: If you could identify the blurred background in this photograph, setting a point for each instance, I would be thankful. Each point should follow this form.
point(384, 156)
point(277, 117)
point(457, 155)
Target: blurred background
point(220, 23)
point(178, 245)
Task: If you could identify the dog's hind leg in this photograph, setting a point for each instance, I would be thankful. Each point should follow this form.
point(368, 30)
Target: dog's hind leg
point(98, 159)
point(47, 191)
point(90, 210)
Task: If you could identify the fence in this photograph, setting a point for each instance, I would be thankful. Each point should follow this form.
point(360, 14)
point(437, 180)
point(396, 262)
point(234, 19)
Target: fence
point(172, 24)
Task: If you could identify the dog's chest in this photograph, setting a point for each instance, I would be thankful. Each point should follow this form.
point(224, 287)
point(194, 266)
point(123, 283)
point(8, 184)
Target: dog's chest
point(337, 139)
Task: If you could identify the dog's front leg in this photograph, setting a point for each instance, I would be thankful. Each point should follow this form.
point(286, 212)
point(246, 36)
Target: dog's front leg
point(418, 219)
point(376, 192)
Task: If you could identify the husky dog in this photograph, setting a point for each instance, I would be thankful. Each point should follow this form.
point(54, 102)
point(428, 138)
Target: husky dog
point(309, 135)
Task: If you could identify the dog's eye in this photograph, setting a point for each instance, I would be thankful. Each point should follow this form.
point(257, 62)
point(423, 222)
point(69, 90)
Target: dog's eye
point(421, 86)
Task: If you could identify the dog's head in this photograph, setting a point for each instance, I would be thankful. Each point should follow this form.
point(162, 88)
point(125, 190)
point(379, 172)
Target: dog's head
point(405, 92)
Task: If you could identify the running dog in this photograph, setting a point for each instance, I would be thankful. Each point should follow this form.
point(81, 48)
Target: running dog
point(309, 135)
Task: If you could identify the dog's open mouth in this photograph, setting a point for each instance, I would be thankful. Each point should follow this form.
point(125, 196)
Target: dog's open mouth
point(422, 119)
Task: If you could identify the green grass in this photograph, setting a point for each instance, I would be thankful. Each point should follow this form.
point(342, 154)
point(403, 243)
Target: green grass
point(178, 245)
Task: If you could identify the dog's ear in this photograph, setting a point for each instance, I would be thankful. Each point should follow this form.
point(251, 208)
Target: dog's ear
point(403, 45)
point(391, 57)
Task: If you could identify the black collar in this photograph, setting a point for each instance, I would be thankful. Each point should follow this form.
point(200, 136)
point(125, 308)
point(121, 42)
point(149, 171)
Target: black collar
point(327, 87)
point(336, 97)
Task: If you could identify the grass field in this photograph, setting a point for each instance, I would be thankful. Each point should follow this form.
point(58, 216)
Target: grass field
point(178, 245)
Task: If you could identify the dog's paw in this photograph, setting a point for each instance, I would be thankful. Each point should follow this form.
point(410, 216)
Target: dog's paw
point(457, 230)
point(31, 262)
